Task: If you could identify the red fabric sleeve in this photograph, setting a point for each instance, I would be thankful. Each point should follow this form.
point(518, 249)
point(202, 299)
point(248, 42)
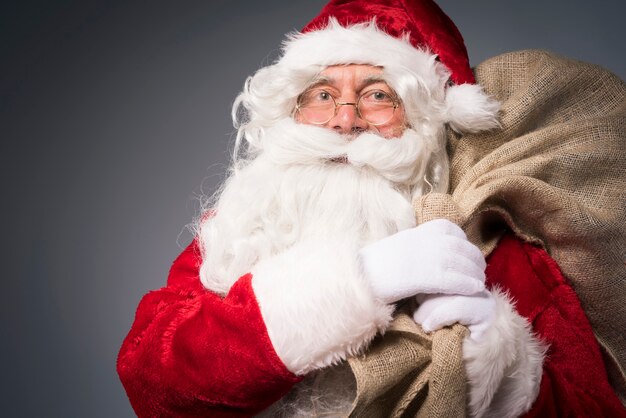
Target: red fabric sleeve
point(191, 353)
point(574, 381)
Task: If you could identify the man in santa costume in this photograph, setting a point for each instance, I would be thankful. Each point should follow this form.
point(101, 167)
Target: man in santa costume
point(312, 245)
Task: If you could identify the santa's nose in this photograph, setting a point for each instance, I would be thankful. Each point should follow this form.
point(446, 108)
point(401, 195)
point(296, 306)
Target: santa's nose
point(347, 120)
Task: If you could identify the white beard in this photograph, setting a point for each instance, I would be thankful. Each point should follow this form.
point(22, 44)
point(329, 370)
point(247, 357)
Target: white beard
point(310, 182)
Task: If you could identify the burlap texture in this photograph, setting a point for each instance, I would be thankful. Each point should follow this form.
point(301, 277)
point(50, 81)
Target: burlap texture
point(408, 373)
point(555, 173)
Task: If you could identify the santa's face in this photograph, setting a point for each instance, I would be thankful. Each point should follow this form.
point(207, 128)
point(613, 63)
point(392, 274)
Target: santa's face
point(335, 175)
point(350, 99)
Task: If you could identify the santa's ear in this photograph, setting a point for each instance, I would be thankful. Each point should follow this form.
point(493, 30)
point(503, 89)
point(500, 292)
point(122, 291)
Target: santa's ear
point(470, 109)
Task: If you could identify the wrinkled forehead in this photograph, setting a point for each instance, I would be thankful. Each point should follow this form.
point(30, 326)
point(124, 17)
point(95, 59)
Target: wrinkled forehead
point(350, 77)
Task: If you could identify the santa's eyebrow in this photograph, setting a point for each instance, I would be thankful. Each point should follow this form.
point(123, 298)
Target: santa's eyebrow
point(371, 79)
point(318, 80)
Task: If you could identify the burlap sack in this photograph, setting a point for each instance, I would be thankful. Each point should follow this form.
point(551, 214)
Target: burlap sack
point(408, 373)
point(555, 173)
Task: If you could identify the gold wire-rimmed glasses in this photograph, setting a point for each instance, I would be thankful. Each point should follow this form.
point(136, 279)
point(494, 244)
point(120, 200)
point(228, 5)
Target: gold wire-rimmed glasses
point(317, 106)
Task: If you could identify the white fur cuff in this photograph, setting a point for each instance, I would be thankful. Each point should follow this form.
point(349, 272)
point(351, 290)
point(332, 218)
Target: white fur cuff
point(504, 369)
point(316, 306)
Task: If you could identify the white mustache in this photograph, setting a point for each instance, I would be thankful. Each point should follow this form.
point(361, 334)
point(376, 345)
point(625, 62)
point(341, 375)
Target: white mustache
point(397, 159)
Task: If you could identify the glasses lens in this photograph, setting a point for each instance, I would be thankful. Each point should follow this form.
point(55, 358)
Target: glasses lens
point(316, 106)
point(377, 107)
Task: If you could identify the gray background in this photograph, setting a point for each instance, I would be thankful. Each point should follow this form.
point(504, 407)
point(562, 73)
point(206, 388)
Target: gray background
point(114, 118)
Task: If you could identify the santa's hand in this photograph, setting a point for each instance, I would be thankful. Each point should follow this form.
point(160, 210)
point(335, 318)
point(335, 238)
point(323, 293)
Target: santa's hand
point(435, 257)
point(476, 312)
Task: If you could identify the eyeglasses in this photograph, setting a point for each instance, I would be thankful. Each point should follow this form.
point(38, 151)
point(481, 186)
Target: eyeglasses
point(317, 106)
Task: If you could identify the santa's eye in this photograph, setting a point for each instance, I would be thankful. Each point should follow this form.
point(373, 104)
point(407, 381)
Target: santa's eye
point(377, 96)
point(323, 95)
point(316, 97)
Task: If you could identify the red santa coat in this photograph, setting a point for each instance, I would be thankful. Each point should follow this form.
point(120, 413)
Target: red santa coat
point(193, 353)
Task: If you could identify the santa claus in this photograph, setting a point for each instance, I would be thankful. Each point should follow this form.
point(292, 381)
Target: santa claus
point(303, 254)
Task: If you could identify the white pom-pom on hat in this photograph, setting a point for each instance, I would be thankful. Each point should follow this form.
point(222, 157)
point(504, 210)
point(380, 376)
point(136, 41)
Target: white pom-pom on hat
point(470, 109)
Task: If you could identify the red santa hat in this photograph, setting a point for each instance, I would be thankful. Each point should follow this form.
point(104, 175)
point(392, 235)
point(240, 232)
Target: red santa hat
point(413, 35)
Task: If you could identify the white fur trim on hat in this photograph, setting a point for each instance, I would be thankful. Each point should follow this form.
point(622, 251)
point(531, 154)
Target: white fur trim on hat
point(466, 107)
point(363, 43)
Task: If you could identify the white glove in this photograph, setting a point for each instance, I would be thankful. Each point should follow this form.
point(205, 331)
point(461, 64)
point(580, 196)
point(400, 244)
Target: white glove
point(435, 257)
point(476, 311)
